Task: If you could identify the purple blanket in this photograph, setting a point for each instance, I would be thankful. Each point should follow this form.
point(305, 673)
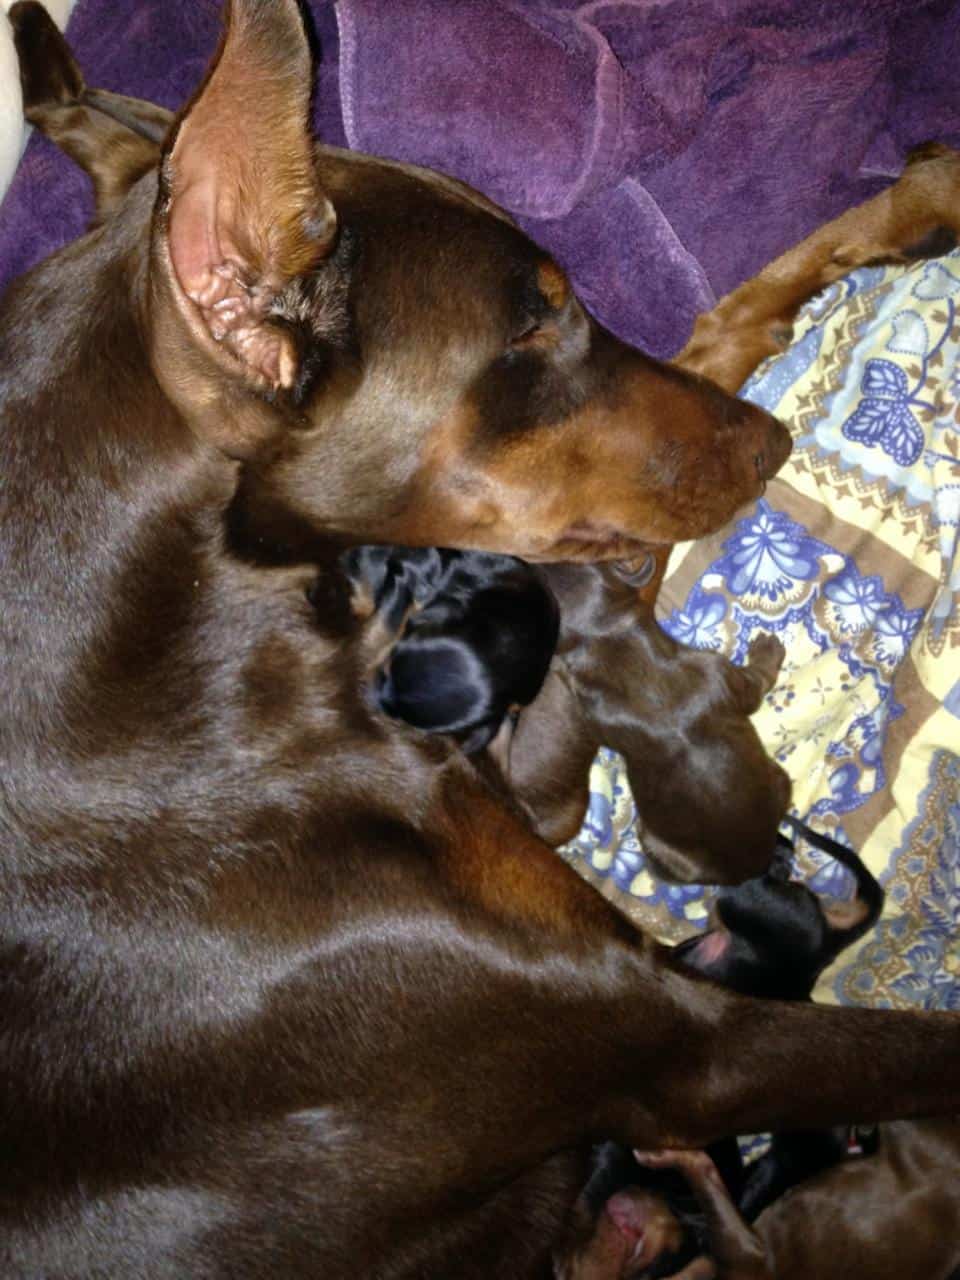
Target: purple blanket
point(663, 151)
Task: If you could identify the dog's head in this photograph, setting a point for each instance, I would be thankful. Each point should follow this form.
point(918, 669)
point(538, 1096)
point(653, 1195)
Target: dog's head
point(394, 360)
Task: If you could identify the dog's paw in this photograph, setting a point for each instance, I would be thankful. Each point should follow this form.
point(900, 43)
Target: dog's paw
point(781, 334)
point(766, 650)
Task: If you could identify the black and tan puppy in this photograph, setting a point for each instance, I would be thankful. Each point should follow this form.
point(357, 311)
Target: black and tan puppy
point(469, 636)
point(773, 937)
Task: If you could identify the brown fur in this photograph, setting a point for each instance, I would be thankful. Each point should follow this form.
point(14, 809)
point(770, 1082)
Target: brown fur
point(286, 990)
point(891, 1214)
point(709, 799)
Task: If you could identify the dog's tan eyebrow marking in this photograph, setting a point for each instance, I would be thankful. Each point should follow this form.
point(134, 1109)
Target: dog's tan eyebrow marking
point(553, 284)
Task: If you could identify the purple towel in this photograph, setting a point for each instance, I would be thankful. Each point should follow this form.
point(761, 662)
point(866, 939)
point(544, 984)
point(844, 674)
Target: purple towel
point(663, 151)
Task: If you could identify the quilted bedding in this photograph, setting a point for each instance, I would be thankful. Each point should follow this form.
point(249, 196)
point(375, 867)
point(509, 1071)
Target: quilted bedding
point(851, 558)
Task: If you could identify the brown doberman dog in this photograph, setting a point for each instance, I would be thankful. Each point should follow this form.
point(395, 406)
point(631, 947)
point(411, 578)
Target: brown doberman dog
point(709, 798)
point(287, 989)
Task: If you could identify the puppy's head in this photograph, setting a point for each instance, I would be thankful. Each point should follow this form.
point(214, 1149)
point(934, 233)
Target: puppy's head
point(773, 936)
point(650, 1228)
point(475, 649)
point(437, 684)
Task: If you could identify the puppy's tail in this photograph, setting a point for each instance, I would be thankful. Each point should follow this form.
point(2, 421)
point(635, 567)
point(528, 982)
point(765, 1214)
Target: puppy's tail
point(858, 917)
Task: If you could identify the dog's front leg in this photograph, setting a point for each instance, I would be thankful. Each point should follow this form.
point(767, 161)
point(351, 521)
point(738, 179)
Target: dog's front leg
point(628, 1044)
point(691, 1062)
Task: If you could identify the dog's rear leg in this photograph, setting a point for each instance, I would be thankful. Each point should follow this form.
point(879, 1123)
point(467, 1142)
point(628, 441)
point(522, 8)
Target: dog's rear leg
point(917, 216)
point(113, 138)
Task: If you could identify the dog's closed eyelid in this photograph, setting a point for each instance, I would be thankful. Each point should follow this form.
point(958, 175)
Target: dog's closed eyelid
point(527, 335)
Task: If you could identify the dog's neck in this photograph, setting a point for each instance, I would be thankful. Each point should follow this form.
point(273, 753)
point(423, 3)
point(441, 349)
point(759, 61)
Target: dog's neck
point(120, 584)
point(122, 498)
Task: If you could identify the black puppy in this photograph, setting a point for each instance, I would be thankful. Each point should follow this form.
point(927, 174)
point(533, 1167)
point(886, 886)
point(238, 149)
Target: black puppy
point(468, 635)
point(772, 937)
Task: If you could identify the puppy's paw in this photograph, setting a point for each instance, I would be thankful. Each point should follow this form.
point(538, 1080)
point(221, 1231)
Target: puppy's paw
point(696, 1165)
point(766, 650)
point(781, 334)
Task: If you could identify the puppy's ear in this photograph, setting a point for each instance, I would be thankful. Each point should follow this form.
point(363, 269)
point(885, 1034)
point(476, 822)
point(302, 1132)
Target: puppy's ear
point(241, 214)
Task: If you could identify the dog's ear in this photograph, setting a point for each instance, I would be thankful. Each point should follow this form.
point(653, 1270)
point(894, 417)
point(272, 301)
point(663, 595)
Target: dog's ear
point(114, 139)
point(241, 212)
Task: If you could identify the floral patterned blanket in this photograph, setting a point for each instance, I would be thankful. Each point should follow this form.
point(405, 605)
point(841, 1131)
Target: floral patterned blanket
point(851, 558)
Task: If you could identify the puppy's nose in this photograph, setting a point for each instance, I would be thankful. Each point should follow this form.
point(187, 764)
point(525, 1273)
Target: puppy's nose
point(764, 440)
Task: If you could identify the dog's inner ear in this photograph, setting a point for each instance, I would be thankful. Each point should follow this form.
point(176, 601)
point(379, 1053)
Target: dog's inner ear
point(246, 216)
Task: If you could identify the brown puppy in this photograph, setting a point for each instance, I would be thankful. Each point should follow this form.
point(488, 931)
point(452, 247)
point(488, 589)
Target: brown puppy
point(709, 799)
point(286, 990)
point(892, 1214)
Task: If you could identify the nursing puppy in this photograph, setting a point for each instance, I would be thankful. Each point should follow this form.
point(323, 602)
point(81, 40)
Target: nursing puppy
point(469, 636)
point(770, 937)
point(893, 1214)
point(709, 798)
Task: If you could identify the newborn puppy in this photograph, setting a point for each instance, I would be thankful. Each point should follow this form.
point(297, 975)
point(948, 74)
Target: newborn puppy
point(709, 799)
point(892, 1215)
point(467, 636)
point(771, 937)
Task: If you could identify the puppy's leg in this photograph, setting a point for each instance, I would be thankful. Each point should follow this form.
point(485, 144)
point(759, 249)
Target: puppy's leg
point(738, 1253)
point(754, 681)
point(549, 762)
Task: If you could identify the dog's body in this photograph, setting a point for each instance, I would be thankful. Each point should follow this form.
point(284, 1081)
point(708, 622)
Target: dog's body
point(464, 638)
point(709, 799)
point(288, 990)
